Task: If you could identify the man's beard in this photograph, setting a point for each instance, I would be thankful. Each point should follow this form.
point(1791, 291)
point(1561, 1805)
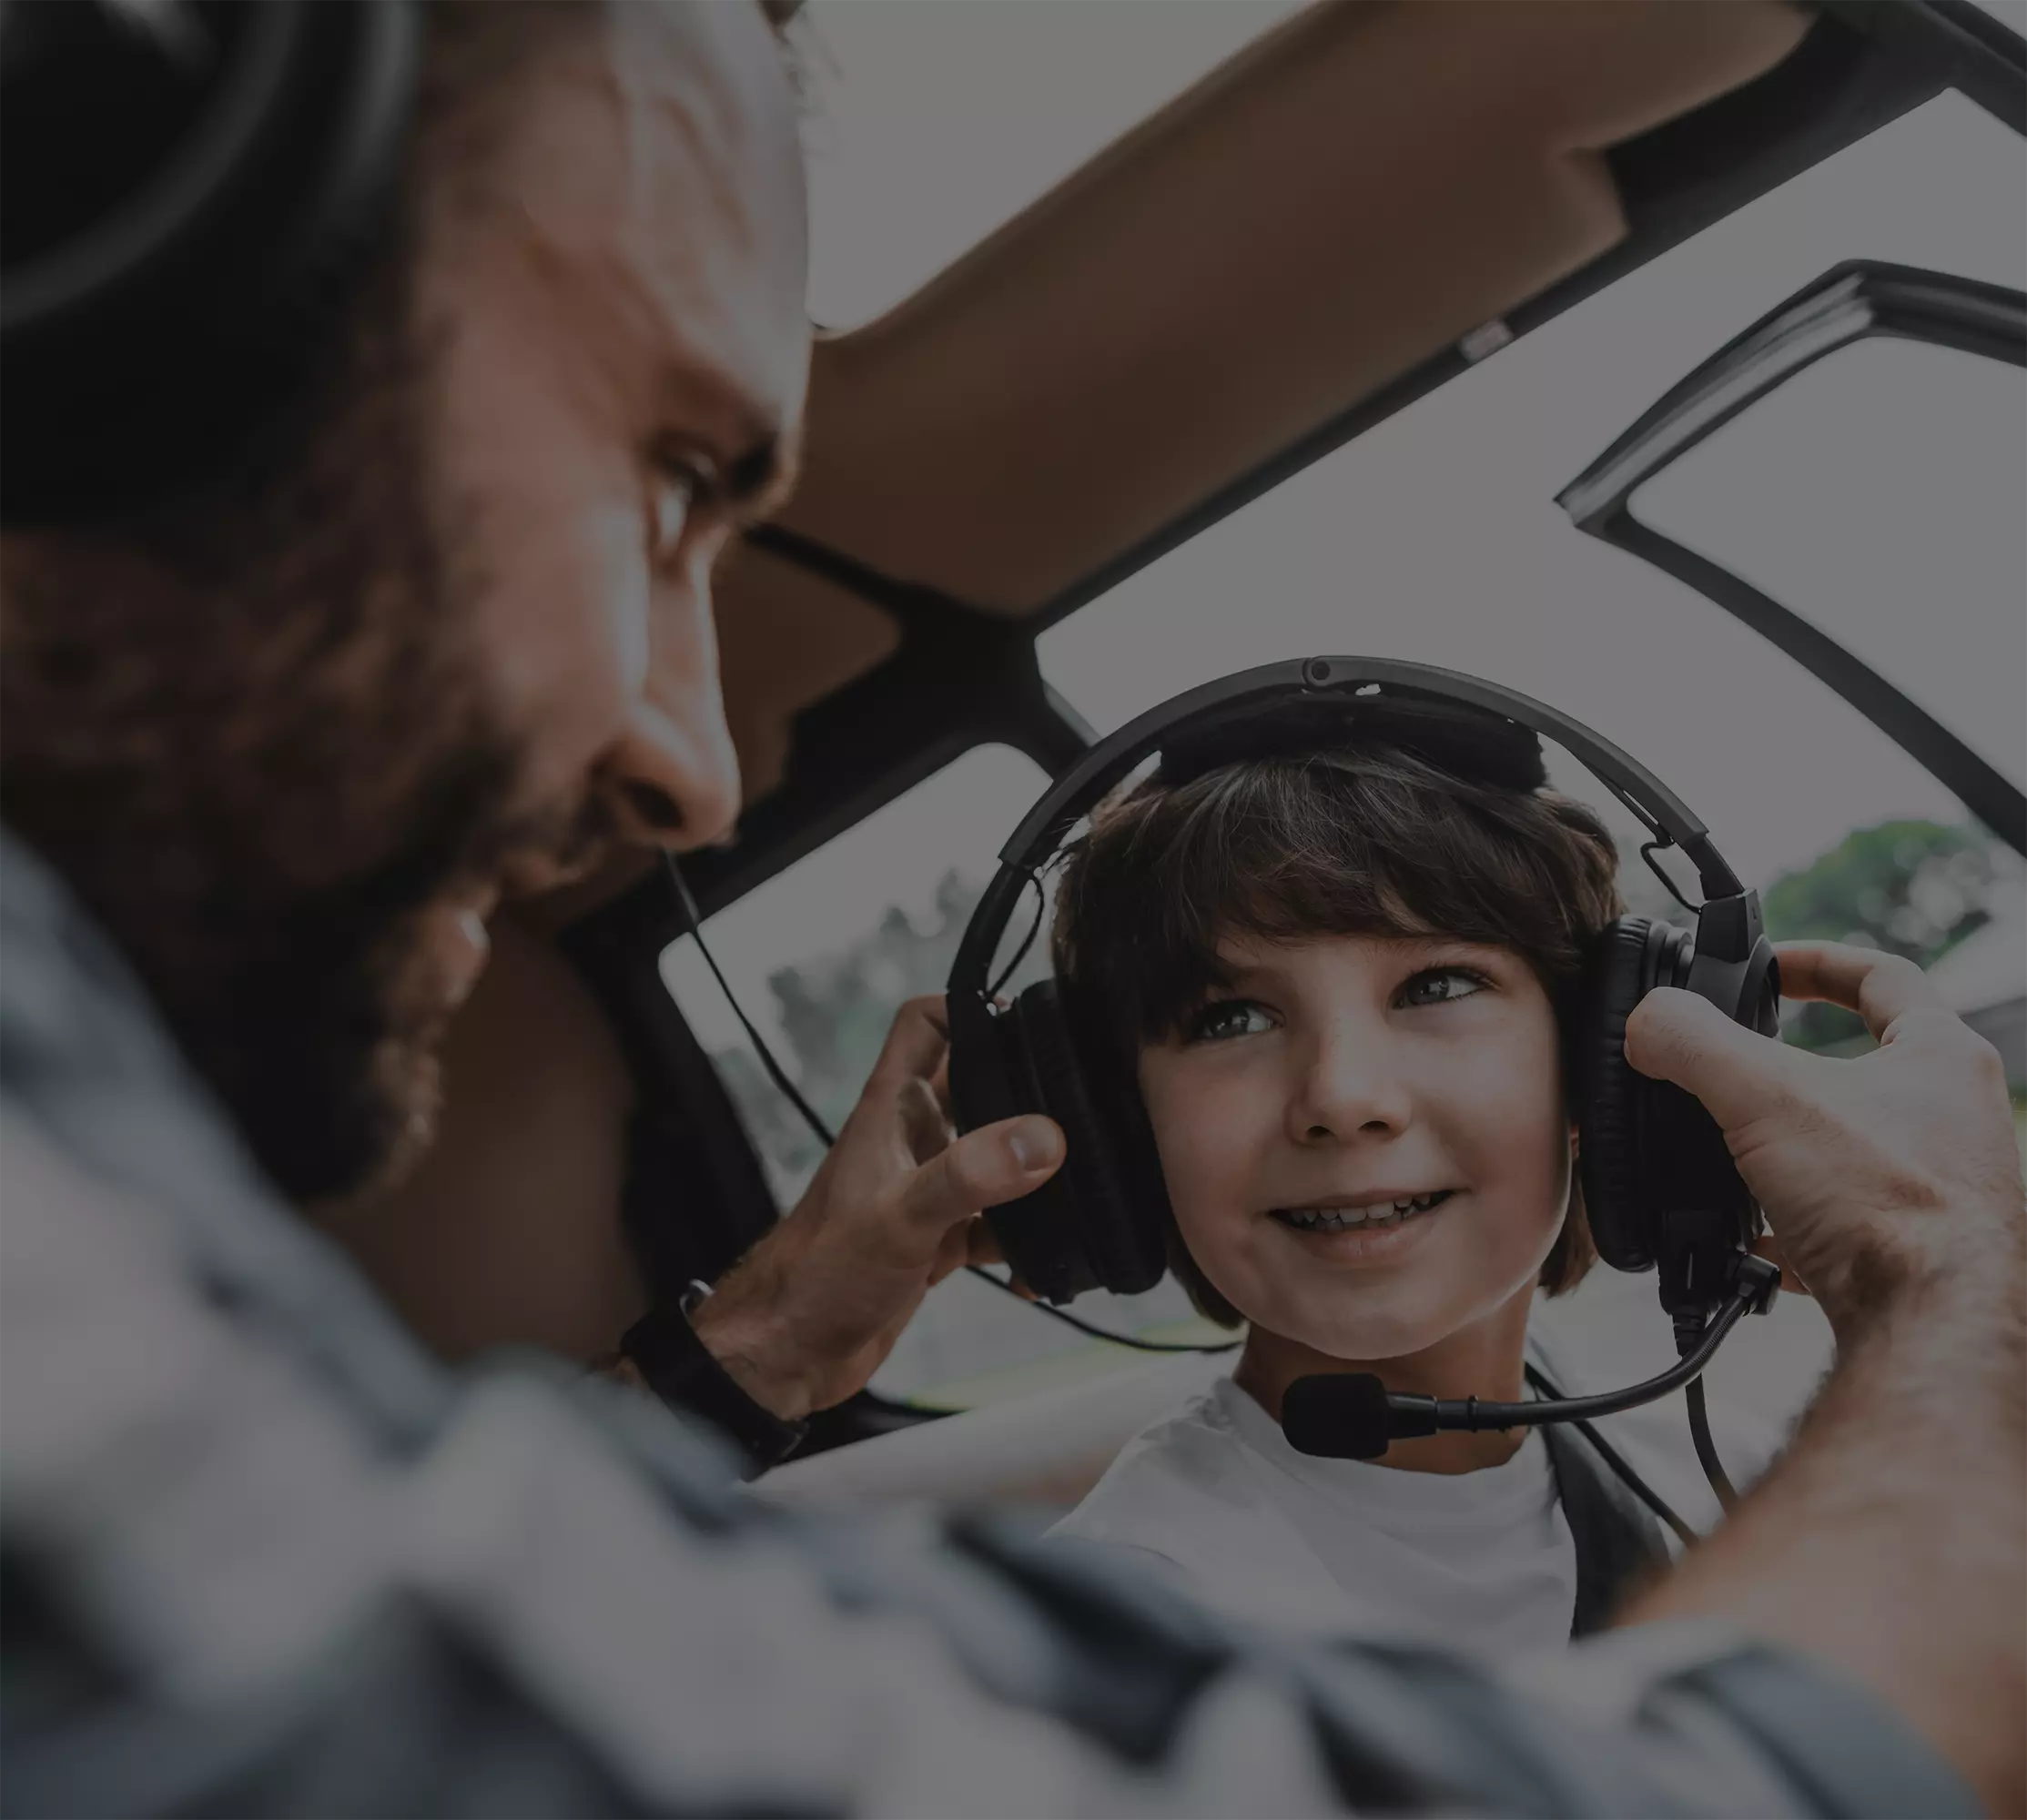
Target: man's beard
point(255, 740)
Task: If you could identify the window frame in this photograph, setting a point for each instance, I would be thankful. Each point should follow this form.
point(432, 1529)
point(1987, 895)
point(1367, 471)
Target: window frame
point(1857, 301)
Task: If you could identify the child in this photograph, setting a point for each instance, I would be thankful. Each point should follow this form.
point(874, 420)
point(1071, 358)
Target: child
point(1335, 978)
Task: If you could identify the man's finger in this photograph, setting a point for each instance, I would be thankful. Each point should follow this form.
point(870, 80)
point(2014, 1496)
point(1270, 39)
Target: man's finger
point(986, 1250)
point(982, 1244)
point(1677, 1035)
point(952, 1253)
point(1882, 988)
point(923, 1121)
point(997, 1163)
point(1769, 1249)
point(916, 1042)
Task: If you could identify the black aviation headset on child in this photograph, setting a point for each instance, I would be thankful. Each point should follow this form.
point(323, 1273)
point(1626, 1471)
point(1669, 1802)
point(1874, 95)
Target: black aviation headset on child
point(1659, 1186)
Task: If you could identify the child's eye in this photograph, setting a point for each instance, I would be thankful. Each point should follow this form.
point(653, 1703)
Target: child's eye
point(1439, 986)
point(1227, 1017)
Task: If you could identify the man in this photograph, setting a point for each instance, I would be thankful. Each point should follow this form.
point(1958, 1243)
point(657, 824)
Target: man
point(270, 760)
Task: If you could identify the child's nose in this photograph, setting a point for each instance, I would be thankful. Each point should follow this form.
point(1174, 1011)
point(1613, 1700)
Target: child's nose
point(1349, 1087)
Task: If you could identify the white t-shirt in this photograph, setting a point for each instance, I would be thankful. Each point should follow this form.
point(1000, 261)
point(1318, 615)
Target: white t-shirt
point(1482, 1561)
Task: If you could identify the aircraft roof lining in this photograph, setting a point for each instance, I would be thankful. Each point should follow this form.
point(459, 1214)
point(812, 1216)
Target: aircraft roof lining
point(1044, 404)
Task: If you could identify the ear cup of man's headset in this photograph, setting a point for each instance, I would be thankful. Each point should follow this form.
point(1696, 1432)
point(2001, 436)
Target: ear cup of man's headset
point(190, 191)
point(1627, 959)
point(1096, 1223)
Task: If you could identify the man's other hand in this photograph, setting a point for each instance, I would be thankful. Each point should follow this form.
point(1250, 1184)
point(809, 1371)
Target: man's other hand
point(1879, 1173)
point(807, 1315)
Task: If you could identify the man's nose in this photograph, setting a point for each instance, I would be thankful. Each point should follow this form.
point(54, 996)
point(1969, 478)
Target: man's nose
point(672, 779)
point(1349, 1085)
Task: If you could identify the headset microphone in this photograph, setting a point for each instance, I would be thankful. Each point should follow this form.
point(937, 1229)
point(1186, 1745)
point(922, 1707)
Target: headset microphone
point(1354, 1415)
point(1342, 1415)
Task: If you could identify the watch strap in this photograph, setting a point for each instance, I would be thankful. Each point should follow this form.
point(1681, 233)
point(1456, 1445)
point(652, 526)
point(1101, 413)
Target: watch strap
point(683, 1371)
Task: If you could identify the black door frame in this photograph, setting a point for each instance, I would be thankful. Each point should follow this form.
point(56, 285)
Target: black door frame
point(1858, 300)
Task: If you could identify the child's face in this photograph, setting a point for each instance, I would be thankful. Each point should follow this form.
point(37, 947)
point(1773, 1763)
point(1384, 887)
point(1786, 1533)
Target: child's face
point(1336, 1076)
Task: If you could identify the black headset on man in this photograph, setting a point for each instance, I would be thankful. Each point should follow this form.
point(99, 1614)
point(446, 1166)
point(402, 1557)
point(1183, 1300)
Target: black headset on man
point(190, 193)
point(1659, 1186)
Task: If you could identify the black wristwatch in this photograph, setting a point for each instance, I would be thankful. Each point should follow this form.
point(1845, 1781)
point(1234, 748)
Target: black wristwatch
point(680, 1370)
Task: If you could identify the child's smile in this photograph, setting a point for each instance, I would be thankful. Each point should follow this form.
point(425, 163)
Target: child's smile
point(1372, 1227)
point(1364, 1137)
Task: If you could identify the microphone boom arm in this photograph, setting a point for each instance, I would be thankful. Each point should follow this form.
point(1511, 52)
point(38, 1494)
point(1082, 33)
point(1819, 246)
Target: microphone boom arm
point(1355, 1417)
point(1409, 1415)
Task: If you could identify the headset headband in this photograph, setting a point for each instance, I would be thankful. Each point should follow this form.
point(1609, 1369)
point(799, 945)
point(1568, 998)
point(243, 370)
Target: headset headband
point(1345, 681)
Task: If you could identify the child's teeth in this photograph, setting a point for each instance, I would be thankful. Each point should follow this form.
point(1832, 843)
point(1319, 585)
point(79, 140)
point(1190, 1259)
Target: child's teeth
point(1378, 1216)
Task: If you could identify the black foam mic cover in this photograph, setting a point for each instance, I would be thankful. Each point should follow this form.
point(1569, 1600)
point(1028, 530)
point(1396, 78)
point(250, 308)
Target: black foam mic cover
point(1336, 1415)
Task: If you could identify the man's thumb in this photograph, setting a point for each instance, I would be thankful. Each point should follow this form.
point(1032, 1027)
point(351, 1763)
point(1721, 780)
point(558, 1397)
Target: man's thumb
point(998, 1163)
point(1680, 1037)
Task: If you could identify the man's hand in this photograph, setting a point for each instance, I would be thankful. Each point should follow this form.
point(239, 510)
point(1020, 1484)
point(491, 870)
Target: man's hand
point(807, 1317)
point(1880, 1173)
point(1891, 1540)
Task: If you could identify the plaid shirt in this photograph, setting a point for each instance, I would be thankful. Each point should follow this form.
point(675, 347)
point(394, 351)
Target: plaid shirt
point(261, 1555)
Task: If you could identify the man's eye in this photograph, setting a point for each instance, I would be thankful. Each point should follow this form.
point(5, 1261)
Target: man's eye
point(674, 494)
point(681, 485)
point(1439, 986)
point(1227, 1017)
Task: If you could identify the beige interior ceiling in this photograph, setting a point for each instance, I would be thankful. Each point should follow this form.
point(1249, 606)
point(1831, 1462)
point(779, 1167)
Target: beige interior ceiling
point(1354, 193)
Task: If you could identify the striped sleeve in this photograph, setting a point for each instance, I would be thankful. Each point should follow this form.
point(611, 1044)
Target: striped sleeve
point(227, 1592)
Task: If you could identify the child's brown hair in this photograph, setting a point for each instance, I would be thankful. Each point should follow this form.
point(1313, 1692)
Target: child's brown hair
point(1370, 840)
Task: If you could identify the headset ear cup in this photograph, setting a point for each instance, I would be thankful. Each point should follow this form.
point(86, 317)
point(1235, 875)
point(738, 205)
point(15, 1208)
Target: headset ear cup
point(178, 273)
point(1629, 959)
point(1118, 1232)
